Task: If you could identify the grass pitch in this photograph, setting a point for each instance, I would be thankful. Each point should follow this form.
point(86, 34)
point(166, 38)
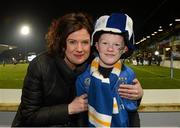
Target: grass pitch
point(12, 76)
point(157, 77)
point(151, 77)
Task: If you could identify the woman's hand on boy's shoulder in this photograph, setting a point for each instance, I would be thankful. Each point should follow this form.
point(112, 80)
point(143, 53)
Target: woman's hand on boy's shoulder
point(132, 92)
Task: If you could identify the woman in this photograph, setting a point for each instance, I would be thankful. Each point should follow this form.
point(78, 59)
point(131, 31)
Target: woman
point(48, 95)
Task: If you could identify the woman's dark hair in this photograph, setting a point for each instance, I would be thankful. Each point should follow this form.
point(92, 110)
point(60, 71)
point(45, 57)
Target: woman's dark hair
point(61, 28)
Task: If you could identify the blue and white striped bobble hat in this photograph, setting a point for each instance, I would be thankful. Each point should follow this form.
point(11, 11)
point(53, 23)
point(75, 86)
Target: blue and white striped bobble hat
point(115, 23)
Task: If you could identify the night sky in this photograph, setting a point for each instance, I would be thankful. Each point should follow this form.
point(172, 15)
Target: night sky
point(147, 15)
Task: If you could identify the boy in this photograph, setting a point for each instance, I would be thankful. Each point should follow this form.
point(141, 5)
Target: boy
point(112, 37)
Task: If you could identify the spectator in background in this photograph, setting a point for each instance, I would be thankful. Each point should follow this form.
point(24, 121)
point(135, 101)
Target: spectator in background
point(159, 59)
point(149, 59)
point(141, 59)
point(4, 63)
point(137, 59)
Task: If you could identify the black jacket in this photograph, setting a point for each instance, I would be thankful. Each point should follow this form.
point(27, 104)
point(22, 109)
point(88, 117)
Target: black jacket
point(49, 86)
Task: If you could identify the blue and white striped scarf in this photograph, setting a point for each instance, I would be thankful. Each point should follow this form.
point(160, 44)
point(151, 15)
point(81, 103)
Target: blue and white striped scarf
point(105, 105)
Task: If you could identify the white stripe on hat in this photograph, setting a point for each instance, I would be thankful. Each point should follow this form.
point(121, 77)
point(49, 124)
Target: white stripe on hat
point(129, 26)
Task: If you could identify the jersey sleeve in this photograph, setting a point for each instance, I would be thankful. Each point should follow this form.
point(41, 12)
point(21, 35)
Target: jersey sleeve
point(83, 83)
point(130, 105)
point(79, 87)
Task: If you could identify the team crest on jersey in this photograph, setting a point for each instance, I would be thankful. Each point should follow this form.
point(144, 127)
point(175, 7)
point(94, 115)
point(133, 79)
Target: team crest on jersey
point(87, 82)
point(123, 80)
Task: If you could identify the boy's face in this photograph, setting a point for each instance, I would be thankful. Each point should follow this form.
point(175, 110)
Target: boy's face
point(110, 47)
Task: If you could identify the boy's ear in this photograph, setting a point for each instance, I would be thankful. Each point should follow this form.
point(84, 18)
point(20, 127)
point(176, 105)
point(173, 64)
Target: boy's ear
point(96, 45)
point(126, 49)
